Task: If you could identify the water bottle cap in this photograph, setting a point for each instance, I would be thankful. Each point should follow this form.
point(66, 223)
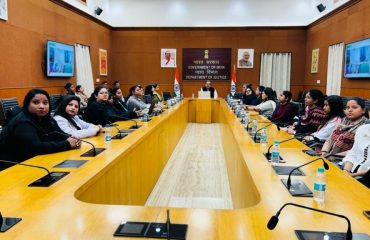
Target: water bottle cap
point(107, 125)
point(320, 169)
point(276, 142)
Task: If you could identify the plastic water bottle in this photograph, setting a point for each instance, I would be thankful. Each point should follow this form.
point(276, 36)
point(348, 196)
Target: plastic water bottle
point(319, 186)
point(168, 103)
point(263, 140)
point(246, 123)
point(242, 115)
point(145, 117)
point(254, 126)
point(275, 153)
point(246, 117)
point(108, 137)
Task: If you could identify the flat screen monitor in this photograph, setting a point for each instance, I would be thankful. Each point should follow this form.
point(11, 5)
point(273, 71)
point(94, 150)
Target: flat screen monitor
point(60, 59)
point(357, 59)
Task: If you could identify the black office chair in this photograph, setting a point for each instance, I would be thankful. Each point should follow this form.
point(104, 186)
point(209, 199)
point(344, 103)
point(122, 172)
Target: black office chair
point(238, 95)
point(148, 99)
point(55, 100)
point(166, 96)
point(8, 108)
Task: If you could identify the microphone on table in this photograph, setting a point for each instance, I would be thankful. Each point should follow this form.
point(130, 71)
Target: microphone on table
point(168, 224)
point(268, 153)
point(275, 219)
point(69, 135)
point(257, 122)
point(326, 166)
point(27, 165)
point(134, 126)
point(119, 133)
point(255, 134)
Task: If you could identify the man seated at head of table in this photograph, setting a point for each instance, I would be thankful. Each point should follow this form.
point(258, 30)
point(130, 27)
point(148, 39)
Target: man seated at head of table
point(208, 88)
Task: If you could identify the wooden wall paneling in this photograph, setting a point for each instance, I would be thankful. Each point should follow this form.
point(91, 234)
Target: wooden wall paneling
point(348, 25)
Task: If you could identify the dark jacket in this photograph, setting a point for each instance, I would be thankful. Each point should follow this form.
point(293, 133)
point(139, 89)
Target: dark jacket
point(211, 89)
point(25, 137)
point(249, 99)
point(120, 105)
point(283, 114)
point(103, 113)
point(256, 101)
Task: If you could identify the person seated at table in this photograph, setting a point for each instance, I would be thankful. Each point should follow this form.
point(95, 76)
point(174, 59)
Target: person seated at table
point(333, 108)
point(313, 116)
point(80, 92)
point(268, 105)
point(284, 112)
point(258, 98)
point(248, 94)
point(342, 138)
point(70, 123)
point(208, 88)
point(135, 99)
point(357, 160)
point(119, 100)
point(100, 112)
point(70, 88)
point(33, 131)
point(156, 96)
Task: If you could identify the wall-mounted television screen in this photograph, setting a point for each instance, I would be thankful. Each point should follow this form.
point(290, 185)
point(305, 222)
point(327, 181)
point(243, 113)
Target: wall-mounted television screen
point(357, 59)
point(60, 59)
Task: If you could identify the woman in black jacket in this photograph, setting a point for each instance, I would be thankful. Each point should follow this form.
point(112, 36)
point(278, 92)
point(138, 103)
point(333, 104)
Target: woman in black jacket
point(100, 111)
point(33, 131)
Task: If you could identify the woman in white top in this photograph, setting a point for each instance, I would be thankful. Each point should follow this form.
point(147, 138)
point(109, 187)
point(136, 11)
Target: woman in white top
point(68, 120)
point(268, 105)
point(333, 108)
point(357, 160)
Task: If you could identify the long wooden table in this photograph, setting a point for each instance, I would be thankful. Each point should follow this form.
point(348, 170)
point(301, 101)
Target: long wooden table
point(112, 187)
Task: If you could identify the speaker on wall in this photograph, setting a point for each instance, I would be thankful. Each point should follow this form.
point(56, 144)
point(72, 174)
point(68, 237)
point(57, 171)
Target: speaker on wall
point(321, 7)
point(98, 11)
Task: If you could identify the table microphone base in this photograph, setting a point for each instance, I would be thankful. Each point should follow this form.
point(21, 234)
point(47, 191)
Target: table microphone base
point(119, 136)
point(90, 153)
point(159, 230)
point(309, 235)
point(49, 179)
point(9, 222)
point(298, 188)
point(285, 170)
point(281, 160)
point(135, 127)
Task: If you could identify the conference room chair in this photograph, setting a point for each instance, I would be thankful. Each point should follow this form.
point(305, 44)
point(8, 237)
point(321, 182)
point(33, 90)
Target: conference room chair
point(8, 108)
point(55, 100)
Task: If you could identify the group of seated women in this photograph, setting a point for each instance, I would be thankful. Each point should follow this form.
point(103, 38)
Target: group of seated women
point(335, 130)
point(343, 132)
point(35, 131)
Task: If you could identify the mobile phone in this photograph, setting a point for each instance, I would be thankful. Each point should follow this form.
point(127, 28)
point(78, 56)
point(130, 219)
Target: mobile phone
point(367, 214)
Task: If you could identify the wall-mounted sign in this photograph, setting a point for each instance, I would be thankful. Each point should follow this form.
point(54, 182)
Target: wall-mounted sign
point(206, 63)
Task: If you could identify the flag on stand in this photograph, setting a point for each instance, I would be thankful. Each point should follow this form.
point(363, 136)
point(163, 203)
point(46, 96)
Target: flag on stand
point(177, 83)
point(233, 82)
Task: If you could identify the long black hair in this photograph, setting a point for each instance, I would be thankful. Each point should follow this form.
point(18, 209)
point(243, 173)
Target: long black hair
point(336, 107)
point(361, 102)
point(95, 93)
point(317, 95)
point(269, 93)
point(61, 109)
point(46, 121)
point(148, 90)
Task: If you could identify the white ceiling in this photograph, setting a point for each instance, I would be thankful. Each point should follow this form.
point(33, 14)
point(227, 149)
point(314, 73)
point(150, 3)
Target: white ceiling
point(207, 13)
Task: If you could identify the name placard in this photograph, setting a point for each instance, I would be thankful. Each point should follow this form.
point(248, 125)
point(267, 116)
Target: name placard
point(206, 63)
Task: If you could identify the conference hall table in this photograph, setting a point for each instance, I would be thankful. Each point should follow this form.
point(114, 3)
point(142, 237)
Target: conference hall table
point(91, 201)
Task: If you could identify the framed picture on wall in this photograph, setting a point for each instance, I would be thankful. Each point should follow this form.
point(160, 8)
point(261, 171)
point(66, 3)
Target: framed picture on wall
point(168, 58)
point(245, 58)
point(4, 9)
point(103, 62)
point(315, 61)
